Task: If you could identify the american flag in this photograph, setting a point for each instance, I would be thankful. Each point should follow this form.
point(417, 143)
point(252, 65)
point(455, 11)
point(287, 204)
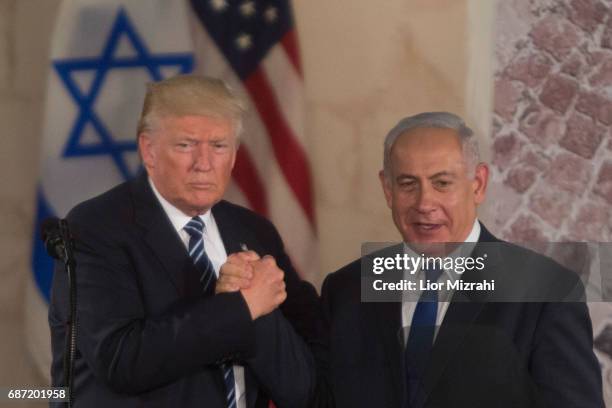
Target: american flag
point(252, 45)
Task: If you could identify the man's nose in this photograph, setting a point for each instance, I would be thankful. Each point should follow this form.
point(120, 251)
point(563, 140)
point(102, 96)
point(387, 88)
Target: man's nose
point(201, 158)
point(425, 200)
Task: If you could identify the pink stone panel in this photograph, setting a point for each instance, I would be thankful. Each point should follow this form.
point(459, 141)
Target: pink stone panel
point(556, 36)
point(507, 96)
point(603, 187)
point(596, 106)
point(552, 138)
point(505, 149)
point(590, 221)
point(526, 228)
point(583, 136)
point(551, 204)
point(558, 93)
point(531, 69)
point(587, 14)
point(570, 173)
point(542, 125)
point(520, 178)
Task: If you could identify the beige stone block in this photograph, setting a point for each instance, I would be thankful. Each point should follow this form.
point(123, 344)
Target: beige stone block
point(18, 174)
point(398, 56)
point(14, 271)
point(34, 23)
point(16, 366)
point(7, 46)
point(335, 155)
point(347, 229)
point(19, 155)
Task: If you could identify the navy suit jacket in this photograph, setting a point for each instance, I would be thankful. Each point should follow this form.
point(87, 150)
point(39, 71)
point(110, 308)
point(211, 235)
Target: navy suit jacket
point(486, 354)
point(147, 336)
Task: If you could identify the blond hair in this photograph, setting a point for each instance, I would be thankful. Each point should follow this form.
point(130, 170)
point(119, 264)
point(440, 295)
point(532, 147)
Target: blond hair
point(185, 95)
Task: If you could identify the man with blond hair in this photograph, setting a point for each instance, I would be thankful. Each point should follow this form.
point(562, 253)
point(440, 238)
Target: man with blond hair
point(162, 321)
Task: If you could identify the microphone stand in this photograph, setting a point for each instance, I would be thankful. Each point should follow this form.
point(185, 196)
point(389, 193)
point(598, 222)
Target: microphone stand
point(67, 256)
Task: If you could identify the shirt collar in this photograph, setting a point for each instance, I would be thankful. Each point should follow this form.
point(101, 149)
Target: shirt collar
point(474, 235)
point(462, 250)
point(178, 218)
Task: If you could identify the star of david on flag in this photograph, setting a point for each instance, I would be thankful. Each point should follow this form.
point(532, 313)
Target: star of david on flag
point(108, 60)
point(103, 53)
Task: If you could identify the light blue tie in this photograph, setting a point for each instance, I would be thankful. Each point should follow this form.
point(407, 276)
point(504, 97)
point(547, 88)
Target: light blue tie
point(421, 337)
point(197, 252)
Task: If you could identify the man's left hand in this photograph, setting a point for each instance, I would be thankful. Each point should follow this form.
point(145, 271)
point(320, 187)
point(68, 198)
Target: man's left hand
point(236, 273)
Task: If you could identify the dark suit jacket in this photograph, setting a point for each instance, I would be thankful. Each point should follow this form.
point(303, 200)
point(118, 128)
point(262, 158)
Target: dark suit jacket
point(147, 336)
point(486, 354)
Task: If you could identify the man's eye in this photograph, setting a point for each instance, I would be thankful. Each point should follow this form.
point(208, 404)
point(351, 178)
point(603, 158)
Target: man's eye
point(442, 183)
point(184, 145)
point(407, 184)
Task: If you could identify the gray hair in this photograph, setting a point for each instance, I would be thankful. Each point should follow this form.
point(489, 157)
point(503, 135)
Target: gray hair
point(184, 95)
point(441, 120)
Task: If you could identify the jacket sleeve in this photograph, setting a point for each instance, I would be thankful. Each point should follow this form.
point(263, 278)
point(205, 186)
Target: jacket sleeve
point(563, 363)
point(324, 394)
point(129, 349)
point(283, 361)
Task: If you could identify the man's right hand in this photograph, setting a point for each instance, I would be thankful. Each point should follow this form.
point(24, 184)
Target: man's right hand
point(236, 273)
point(267, 289)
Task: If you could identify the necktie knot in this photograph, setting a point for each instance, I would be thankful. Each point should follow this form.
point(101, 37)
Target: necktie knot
point(195, 227)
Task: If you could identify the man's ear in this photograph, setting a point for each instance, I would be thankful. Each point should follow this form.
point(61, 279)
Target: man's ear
point(145, 147)
point(481, 180)
point(386, 186)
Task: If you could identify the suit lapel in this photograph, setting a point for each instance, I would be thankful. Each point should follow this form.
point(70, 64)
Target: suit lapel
point(461, 314)
point(385, 318)
point(160, 235)
point(457, 322)
point(236, 237)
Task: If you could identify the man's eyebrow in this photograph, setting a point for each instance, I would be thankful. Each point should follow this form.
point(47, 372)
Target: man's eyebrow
point(218, 138)
point(185, 138)
point(443, 174)
point(403, 177)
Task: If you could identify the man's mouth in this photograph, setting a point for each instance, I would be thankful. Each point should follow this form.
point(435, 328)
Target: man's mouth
point(202, 186)
point(427, 227)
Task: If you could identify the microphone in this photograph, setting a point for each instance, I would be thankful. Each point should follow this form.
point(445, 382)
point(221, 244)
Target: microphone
point(52, 233)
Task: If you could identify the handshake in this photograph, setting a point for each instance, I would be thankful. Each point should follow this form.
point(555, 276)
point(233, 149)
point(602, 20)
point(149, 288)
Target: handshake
point(260, 281)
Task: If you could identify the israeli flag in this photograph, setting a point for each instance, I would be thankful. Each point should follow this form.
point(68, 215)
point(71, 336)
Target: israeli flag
point(103, 53)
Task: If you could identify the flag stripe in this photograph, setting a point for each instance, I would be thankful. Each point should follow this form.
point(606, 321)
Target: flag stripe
point(287, 151)
point(288, 90)
point(246, 177)
point(273, 193)
point(290, 45)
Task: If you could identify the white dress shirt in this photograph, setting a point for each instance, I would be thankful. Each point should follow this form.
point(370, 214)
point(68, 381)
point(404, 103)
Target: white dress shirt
point(444, 296)
point(213, 245)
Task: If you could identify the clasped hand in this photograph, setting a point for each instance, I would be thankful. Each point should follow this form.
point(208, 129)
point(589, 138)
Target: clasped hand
point(260, 281)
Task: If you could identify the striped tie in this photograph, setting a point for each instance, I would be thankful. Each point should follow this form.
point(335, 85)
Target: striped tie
point(195, 229)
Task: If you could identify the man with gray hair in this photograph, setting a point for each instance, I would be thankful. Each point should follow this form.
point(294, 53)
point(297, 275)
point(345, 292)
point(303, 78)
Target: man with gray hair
point(163, 319)
point(453, 348)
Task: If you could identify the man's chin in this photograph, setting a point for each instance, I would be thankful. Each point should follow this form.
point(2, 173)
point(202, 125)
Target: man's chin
point(430, 244)
point(202, 203)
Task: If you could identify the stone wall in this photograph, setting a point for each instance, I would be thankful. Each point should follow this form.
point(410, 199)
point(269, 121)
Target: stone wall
point(551, 138)
point(552, 147)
